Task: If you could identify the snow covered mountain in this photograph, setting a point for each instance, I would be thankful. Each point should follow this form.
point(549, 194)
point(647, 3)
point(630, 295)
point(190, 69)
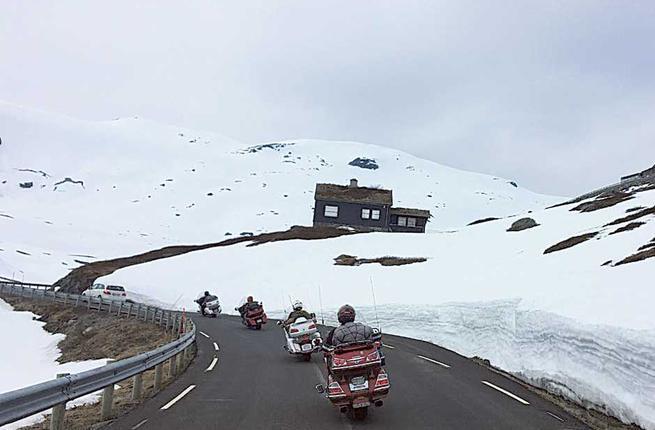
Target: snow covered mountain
point(550, 303)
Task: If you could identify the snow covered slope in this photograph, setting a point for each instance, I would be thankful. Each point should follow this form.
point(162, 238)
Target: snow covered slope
point(562, 319)
point(33, 357)
point(105, 189)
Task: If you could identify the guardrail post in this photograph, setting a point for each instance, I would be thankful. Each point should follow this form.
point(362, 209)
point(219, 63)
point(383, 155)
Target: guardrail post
point(137, 387)
point(172, 367)
point(159, 373)
point(107, 400)
point(57, 417)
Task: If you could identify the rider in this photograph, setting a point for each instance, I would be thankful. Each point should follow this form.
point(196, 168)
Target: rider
point(202, 301)
point(249, 304)
point(349, 330)
point(297, 312)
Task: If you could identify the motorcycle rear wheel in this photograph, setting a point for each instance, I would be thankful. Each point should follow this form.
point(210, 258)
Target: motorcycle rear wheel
point(258, 326)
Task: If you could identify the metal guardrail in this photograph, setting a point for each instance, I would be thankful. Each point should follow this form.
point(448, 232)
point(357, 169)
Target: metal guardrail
point(24, 402)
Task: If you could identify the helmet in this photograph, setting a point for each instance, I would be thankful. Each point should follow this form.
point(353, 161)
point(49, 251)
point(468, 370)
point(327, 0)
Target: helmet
point(346, 313)
point(297, 305)
point(206, 293)
point(249, 299)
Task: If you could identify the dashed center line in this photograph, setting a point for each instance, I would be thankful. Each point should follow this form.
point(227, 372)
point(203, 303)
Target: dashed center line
point(555, 416)
point(434, 361)
point(178, 397)
point(215, 346)
point(212, 364)
point(204, 334)
point(388, 346)
point(507, 393)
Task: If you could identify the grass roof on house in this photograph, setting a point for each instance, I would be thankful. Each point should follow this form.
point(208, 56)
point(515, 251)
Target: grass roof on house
point(346, 194)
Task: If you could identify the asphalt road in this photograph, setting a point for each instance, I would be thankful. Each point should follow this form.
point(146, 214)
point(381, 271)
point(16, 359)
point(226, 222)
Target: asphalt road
point(255, 384)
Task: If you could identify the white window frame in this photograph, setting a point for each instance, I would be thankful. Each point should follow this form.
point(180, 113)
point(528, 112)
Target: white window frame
point(375, 214)
point(402, 221)
point(366, 213)
point(331, 211)
point(411, 221)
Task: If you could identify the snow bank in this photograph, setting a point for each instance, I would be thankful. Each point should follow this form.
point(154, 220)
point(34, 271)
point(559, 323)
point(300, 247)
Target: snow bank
point(30, 357)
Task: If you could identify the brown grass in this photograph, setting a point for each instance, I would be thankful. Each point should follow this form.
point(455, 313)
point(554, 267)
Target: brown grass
point(483, 220)
point(603, 201)
point(628, 227)
point(572, 241)
point(633, 216)
point(92, 335)
point(639, 256)
point(81, 278)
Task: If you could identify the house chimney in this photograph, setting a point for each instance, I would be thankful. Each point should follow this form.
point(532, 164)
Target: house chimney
point(353, 183)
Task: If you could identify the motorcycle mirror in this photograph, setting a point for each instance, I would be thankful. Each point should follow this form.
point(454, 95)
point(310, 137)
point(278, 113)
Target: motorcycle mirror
point(320, 388)
point(279, 323)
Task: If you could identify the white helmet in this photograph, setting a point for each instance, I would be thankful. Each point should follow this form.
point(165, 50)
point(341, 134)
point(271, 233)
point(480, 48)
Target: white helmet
point(297, 305)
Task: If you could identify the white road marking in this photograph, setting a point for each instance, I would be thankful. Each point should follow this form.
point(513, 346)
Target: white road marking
point(204, 334)
point(212, 365)
point(388, 346)
point(140, 424)
point(215, 346)
point(435, 361)
point(507, 393)
point(555, 416)
point(178, 397)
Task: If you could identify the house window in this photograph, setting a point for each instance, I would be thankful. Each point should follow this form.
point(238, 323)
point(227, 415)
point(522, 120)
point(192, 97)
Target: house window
point(366, 213)
point(375, 214)
point(411, 222)
point(402, 221)
point(331, 211)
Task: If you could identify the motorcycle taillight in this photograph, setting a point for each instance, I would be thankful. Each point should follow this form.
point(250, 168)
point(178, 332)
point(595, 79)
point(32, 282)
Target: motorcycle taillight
point(334, 389)
point(293, 330)
point(382, 381)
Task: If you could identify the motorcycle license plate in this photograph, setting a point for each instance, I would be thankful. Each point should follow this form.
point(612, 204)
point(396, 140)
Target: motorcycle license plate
point(358, 383)
point(259, 321)
point(362, 402)
point(307, 347)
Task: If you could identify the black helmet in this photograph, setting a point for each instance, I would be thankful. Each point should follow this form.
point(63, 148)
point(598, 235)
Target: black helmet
point(206, 293)
point(346, 313)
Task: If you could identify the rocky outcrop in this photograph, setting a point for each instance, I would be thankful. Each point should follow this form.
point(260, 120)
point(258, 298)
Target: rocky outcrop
point(364, 163)
point(522, 224)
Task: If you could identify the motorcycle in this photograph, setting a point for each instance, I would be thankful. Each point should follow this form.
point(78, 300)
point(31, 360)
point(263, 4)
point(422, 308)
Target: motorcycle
point(212, 307)
point(254, 317)
point(356, 378)
point(302, 338)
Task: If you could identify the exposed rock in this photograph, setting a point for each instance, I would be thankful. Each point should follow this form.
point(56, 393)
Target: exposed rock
point(26, 184)
point(364, 163)
point(523, 224)
point(603, 201)
point(514, 184)
point(69, 180)
point(633, 216)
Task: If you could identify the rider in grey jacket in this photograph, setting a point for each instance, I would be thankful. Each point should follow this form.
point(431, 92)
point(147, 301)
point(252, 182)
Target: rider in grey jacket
point(349, 331)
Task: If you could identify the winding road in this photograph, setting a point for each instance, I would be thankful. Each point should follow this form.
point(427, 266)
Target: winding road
point(243, 379)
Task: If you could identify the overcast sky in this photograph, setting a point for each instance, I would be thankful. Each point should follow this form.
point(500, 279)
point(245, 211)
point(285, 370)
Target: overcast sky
point(558, 95)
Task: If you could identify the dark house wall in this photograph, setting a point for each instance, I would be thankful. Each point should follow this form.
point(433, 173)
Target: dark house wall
point(350, 214)
point(420, 225)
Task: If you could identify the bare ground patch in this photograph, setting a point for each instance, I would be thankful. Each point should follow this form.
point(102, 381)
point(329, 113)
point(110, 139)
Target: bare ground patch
point(350, 260)
point(633, 216)
point(81, 278)
point(483, 220)
point(92, 335)
point(628, 227)
point(639, 256)
point(572, 241)
point(603, 201)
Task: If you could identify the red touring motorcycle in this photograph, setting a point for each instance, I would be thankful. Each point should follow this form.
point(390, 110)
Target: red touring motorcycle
point(356, 378)
point(255, 317)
